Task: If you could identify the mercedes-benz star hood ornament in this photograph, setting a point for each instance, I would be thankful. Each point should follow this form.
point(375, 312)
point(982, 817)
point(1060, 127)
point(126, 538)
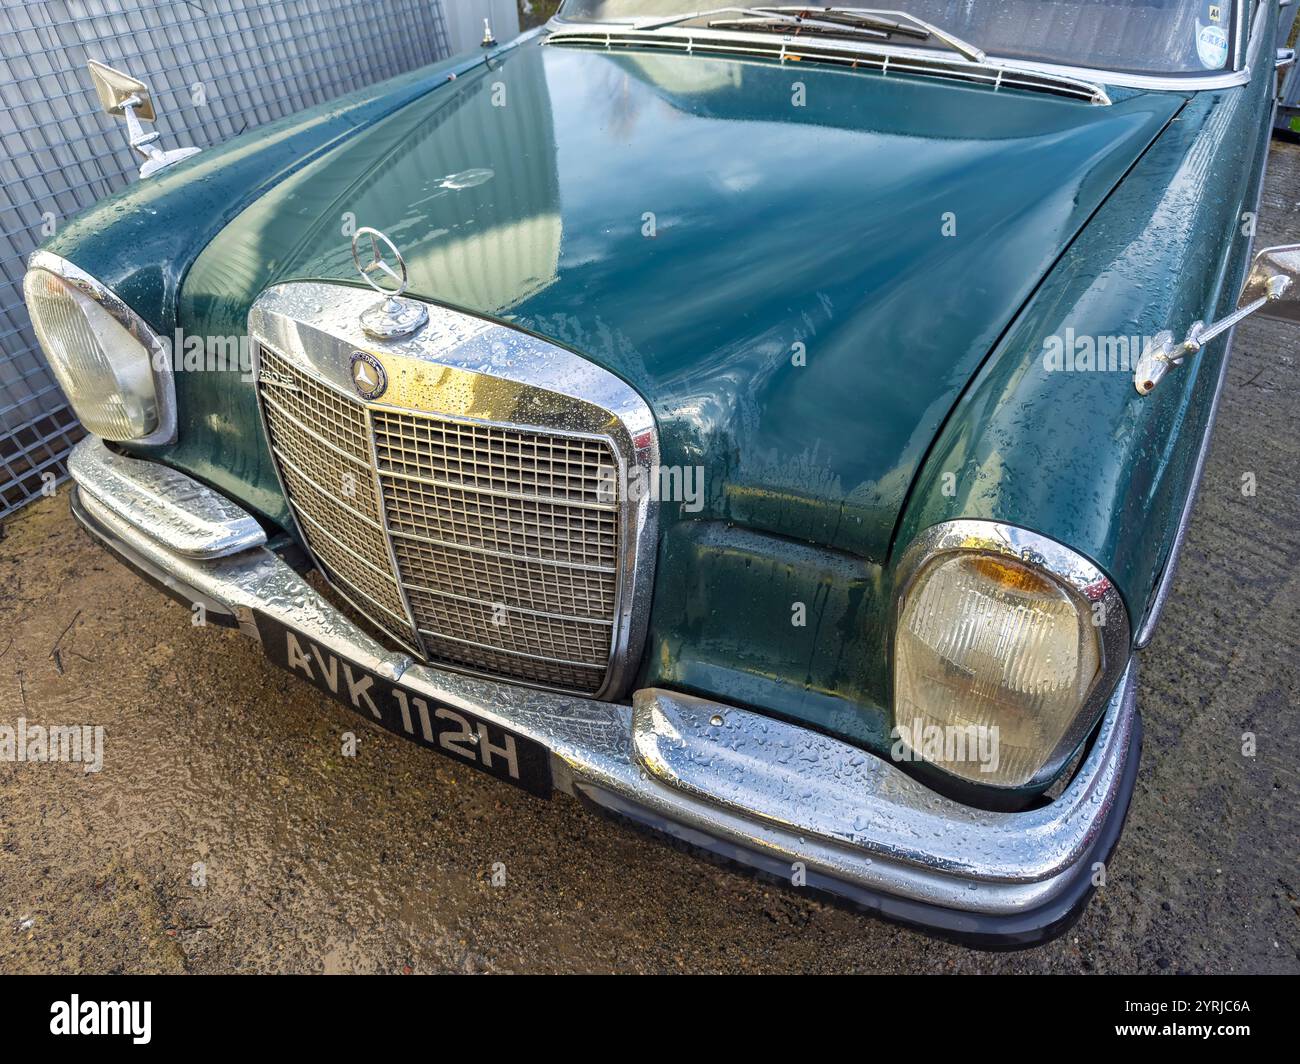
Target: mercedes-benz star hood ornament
point(385, 271)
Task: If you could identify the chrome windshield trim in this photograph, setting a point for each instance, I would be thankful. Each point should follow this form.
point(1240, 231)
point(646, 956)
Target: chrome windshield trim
point(1093, 76)
point(1240, 41)
point(160, 353)
point(1069, 569)
point(890, 59)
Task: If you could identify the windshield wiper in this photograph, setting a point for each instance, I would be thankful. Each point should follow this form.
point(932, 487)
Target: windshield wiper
point(853, 17)
point(803, 27)
point(851, 21)
point(767, 14)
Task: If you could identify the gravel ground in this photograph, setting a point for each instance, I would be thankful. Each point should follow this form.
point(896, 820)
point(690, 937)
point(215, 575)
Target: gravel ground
point(217, 762)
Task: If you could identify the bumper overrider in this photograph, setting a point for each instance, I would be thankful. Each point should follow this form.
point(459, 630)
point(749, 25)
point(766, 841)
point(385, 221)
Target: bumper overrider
point(806, 808)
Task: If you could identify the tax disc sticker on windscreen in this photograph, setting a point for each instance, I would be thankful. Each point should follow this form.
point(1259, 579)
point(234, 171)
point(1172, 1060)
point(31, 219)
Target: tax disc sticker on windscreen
point(1212, 38)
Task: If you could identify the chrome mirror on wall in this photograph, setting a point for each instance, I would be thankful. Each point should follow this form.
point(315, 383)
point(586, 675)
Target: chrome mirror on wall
point(1271, 289)
point(121, 94)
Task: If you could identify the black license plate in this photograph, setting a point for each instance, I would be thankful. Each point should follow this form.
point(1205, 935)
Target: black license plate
point(451, 731)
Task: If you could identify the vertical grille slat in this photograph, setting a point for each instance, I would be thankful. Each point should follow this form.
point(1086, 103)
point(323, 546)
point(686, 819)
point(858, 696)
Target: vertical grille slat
point(490, 547)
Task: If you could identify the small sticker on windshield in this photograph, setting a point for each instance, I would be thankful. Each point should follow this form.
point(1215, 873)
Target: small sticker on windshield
point(1211, 46)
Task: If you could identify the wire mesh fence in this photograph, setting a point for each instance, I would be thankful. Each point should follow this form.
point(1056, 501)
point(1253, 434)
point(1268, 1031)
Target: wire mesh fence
point(215, 68)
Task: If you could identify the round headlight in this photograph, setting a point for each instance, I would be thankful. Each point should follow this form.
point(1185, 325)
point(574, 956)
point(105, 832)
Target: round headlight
point(997, 653)
point(101, 353)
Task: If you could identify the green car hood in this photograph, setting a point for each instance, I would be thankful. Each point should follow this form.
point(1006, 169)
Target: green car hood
point(800, 268)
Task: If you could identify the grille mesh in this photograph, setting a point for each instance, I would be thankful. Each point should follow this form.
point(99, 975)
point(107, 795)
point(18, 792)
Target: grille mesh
point(505, 545)
point(491, 458)
point(319, 441)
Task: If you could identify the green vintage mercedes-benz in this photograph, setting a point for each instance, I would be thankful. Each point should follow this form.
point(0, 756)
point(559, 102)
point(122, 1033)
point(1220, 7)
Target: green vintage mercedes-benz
point(774, 426)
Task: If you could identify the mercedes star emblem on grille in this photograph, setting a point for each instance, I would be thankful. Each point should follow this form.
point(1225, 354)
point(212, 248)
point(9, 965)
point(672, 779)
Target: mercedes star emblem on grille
point(368, 376)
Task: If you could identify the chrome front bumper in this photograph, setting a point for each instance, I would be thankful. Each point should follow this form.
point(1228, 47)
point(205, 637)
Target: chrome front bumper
point(773, 796)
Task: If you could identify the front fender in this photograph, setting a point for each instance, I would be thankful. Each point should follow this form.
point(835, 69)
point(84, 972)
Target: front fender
point(1075, 453)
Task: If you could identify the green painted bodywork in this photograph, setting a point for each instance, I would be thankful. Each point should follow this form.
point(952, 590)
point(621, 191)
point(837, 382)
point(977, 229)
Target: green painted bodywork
point(698, 227)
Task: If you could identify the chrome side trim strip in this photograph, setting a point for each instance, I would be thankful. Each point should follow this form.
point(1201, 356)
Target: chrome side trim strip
point(159, 352)
point(177, 511)
point(751, 782)
point(1241, 18)
point(1165, 586)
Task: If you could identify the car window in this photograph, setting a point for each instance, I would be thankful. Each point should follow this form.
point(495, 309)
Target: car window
point(1140, 36)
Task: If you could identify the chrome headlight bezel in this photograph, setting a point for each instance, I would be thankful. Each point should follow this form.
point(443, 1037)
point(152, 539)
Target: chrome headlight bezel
point(1057, 562)
point(160, 363)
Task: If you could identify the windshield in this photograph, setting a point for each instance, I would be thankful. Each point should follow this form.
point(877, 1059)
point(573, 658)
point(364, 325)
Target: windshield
point(1138, 36)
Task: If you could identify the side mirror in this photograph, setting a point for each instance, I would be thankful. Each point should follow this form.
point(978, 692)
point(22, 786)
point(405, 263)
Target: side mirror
point(1273, 284)
point(121, 94)
point(115, 91)
point(1272, 288)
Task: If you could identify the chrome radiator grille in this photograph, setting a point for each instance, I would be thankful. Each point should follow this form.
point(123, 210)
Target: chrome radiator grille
point(484, 546)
